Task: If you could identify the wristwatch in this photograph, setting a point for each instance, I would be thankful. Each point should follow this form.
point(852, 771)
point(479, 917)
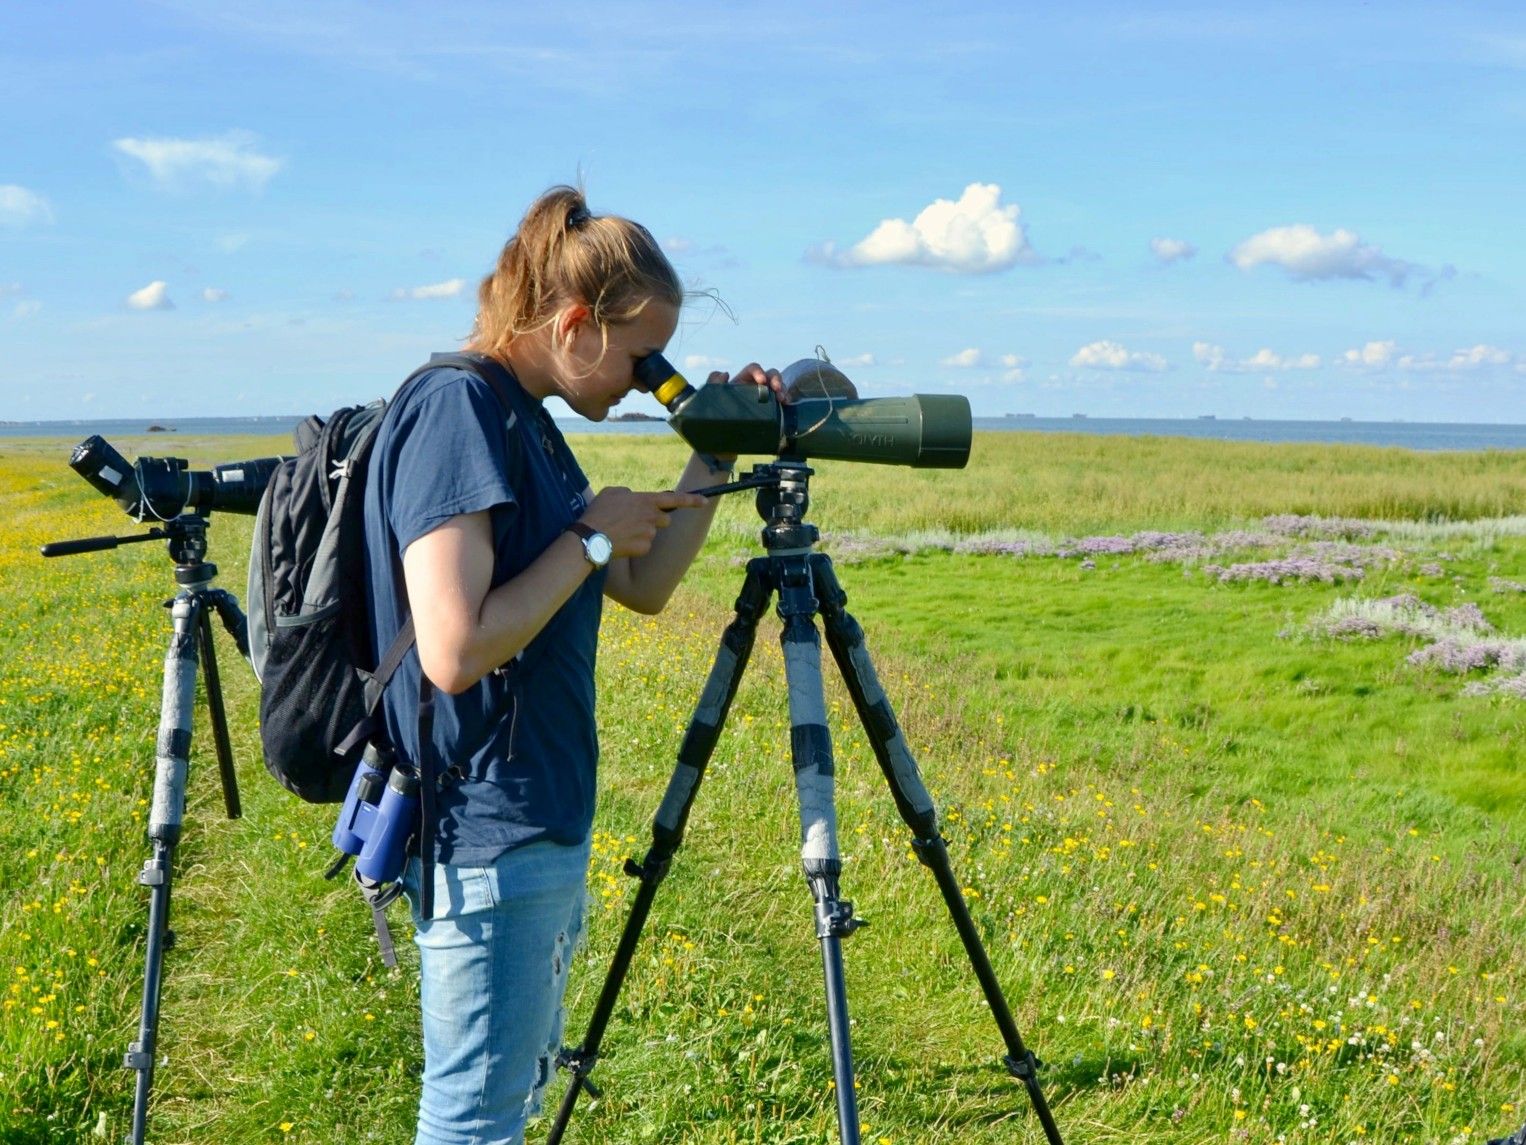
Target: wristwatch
point(597, 548)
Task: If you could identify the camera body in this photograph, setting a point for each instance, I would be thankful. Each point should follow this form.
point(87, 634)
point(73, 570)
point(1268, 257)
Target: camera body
point(379, 818)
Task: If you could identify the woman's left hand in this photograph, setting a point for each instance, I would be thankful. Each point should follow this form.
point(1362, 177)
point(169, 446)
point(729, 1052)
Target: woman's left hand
point(751, 374)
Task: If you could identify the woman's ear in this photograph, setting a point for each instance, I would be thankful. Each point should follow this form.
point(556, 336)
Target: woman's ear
point(569, 319)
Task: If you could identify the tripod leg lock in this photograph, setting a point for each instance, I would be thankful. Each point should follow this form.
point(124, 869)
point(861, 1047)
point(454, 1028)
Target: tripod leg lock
point(137, 1057)
point(834, 919)
point(152, 875)
point(1025, 1068)
point(924, 848)
point(579, 1063)
point(651, 871)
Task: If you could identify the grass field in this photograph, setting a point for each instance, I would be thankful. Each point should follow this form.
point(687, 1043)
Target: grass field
point(1227, 741)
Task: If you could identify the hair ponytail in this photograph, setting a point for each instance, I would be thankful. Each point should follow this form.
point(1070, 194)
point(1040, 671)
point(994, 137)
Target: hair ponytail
point(563, 253)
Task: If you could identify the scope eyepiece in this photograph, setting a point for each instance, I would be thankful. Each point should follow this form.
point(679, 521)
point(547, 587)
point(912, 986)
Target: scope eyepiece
point(661, 379)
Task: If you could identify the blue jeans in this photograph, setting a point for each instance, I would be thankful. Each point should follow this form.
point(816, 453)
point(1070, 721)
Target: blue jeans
point(493, 963)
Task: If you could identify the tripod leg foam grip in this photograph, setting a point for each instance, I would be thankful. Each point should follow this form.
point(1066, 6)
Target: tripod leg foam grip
point(699, 740)
point(173, 748)
point(811, 744)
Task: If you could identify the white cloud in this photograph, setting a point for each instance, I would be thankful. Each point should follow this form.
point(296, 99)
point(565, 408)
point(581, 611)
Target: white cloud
point(213, 294)
point(1468, 360)
point(857, 360)
point(703, 362)
point(1112, 356)
point(1374, 355)
point(1476, 357)
point(227, 161)
point(1172, 250)
point(154, 296)
point(1016, 368)
point(974, 235)
point(965, 359)
point(450, 288)
point(20, 207)
point(1261, 361)
point(1265, 359)
point(1209, 355)
point(1306, 255)
point(26, 308)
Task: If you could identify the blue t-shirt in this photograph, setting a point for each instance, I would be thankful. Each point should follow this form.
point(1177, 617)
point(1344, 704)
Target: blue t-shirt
point(521, 741)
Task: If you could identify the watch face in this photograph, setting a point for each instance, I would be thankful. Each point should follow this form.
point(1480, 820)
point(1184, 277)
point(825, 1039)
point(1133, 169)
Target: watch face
point(599, 549)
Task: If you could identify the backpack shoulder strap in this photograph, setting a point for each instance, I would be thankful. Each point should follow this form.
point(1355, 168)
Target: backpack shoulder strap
point(490, 370)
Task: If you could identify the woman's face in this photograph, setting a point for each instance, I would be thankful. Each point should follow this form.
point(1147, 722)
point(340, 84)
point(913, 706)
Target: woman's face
point(596, 368)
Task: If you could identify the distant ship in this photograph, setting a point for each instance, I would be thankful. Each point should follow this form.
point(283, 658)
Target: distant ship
point(1022, 415)
point(1207, 417)
point(1079, 416)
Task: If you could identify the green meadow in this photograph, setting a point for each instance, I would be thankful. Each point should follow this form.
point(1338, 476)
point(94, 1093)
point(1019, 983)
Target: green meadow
point(1227, 742)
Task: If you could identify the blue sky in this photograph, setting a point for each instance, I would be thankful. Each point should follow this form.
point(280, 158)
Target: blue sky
point(1281, 211)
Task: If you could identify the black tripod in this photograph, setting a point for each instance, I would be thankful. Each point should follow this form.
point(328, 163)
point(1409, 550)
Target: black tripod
point(805, 584)
point(192, 639)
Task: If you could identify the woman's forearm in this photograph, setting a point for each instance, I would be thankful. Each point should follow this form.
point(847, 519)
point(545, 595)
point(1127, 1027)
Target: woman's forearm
point(653, 577)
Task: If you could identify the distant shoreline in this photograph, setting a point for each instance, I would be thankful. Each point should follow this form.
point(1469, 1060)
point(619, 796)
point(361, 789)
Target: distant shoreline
point(1466, 436)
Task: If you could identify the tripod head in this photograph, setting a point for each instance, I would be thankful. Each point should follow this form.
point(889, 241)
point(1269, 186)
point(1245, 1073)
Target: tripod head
point(783, 503)
point(185, 537)
point(783, 497)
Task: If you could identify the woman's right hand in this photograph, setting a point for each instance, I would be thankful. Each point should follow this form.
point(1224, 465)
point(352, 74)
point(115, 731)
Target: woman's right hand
point(630, 520)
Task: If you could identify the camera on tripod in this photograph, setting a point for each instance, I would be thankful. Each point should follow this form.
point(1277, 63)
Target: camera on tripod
point(162, 488)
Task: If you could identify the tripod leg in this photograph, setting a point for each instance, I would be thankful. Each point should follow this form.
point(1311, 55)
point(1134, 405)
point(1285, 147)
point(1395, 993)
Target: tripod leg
point(811, 748)
point(668, 828)
point(846, 639)
point(219, 716)
point(164, 823)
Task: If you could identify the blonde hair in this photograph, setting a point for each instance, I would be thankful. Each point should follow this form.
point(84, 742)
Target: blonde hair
point(560, 254)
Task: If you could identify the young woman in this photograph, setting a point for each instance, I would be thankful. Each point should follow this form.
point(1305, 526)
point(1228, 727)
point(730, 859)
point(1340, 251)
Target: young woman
point(480, 522)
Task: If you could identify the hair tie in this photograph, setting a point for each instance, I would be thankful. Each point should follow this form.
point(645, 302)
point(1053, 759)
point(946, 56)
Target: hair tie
point(577, 216)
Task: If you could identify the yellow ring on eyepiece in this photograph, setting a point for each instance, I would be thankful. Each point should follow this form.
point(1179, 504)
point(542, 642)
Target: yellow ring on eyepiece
point(670, 389)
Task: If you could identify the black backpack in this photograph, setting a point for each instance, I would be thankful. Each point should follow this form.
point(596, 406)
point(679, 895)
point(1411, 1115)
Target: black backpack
point(309, 625)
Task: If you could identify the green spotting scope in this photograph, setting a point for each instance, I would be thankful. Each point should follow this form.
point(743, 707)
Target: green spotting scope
point(822, 417)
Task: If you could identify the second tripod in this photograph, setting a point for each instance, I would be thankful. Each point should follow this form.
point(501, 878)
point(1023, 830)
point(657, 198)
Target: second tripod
point(190, 644)
point(805, 585)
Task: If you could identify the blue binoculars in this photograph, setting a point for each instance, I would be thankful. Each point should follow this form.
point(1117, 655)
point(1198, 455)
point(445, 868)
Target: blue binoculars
point(379, 817)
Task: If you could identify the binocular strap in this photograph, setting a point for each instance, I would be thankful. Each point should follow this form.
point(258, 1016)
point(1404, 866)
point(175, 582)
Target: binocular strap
point(378, 897)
